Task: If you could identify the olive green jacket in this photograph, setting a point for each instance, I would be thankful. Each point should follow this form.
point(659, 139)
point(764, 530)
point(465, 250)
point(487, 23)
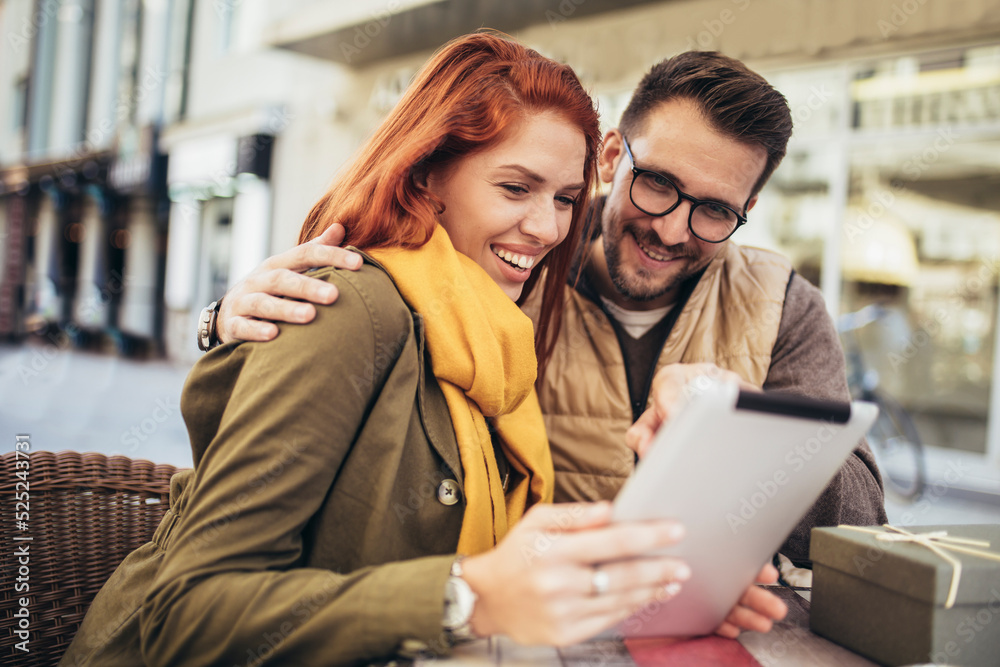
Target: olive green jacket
point(313, 528)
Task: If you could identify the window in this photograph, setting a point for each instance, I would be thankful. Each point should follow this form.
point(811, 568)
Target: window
point(178, 60)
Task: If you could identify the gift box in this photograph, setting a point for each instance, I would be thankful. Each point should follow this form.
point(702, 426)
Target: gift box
point(904, 596)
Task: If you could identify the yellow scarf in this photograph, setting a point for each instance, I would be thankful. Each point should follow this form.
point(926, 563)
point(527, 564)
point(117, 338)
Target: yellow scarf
point(482, 352)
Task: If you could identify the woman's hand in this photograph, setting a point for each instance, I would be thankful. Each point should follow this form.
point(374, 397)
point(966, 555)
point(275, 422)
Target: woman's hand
point(538, 585)
point(669, 386)
point(251, 307)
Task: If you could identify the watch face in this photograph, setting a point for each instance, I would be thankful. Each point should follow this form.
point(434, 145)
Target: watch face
point(459, 601)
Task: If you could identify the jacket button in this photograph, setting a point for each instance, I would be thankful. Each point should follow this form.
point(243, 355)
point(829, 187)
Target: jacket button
point(449, 492)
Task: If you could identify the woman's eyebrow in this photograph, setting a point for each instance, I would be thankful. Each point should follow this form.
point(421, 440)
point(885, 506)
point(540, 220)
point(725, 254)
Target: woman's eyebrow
point(538, 178)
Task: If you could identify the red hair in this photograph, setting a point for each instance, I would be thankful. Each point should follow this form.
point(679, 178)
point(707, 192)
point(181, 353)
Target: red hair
point(464, 100)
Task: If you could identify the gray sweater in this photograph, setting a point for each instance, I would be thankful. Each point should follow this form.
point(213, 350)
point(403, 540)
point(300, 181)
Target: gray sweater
point(808, 360)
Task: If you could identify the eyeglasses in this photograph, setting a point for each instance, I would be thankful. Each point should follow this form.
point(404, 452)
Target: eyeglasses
point(654, 194)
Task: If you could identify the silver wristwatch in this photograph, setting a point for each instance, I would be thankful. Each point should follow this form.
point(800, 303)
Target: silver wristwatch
point(207, 334)
point(459, 603)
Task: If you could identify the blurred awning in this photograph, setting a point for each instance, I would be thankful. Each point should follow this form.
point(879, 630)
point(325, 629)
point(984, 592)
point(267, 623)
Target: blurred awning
point(352, 33)
point(877, 247)
point(976, 191)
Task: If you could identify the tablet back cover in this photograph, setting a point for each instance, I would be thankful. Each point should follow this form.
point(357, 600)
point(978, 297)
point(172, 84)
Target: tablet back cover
point(739, 480)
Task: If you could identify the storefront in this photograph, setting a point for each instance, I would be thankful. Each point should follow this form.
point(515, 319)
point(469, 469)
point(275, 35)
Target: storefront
point(890, 195)
point(220, 224)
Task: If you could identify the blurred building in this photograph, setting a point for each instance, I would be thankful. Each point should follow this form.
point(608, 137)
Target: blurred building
point(145, 172)
point(258, 143)
point(137, 140)
point(87, 85)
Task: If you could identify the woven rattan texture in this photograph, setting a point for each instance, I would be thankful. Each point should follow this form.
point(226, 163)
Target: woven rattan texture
point(87, 512)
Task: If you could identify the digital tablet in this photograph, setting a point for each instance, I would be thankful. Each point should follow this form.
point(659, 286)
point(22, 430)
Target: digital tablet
point(739, 469)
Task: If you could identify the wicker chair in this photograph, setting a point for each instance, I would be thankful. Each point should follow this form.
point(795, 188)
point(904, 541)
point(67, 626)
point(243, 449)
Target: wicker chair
point(87, 512)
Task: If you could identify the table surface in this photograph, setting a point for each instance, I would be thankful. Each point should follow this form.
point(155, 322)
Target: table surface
point(790, 642)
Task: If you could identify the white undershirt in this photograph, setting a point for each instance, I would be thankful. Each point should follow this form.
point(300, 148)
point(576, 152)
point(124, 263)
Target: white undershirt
point(635, 322)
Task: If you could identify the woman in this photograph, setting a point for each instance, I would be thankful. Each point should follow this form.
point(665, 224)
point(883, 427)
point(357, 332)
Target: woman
point(339, 469)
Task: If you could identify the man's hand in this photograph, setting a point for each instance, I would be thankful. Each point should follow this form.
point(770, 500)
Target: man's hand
point(251, 307)
point(757, 610)
point(666, 391)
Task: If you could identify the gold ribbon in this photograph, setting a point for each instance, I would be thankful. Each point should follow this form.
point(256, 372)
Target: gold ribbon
point(937, 541)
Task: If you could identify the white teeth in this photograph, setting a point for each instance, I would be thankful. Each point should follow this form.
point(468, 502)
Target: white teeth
point(656, 256)
point(520, 261)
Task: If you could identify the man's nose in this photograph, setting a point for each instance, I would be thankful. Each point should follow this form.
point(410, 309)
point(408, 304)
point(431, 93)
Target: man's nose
point(673, 228)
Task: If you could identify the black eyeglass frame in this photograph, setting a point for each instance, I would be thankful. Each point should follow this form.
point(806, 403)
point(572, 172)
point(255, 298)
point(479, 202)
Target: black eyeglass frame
point(681, 196)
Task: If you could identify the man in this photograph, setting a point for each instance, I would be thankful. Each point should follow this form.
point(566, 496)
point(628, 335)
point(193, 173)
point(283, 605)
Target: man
point(662, 292)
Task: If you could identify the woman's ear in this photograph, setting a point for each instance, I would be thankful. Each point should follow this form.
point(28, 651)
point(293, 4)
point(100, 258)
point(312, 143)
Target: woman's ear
point(419, 176)
point(425, 180)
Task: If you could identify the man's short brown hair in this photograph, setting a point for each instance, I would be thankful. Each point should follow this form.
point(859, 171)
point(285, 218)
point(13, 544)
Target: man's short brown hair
point(736, 101)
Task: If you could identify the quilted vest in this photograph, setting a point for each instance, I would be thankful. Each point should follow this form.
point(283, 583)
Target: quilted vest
point(731, 319)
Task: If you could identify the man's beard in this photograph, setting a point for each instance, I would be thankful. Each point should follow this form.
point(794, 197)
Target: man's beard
point(637, 283)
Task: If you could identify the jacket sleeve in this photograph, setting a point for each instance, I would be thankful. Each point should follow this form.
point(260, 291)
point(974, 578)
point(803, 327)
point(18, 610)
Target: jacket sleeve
point(808, 360)
point(232, 588)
